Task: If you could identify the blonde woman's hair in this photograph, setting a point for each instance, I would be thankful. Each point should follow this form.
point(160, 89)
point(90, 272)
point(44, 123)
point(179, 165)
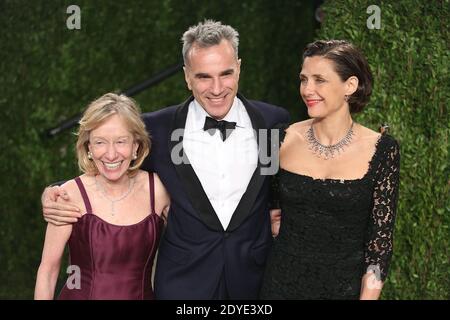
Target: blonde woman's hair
point(96, 113)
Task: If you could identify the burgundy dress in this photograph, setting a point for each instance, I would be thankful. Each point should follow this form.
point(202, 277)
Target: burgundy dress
point(115, 262)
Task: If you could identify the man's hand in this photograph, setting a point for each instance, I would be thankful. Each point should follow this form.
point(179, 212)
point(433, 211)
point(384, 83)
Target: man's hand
point(55, 212)
point(275, 220)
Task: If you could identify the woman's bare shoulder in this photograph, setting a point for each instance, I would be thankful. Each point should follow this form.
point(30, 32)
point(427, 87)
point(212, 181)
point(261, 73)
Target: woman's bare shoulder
point(301, 125)
point(73, 191)
point(142, 179)
point(367, 133)
point(70, 187)
point(298, 129)
point(162, 198)
point(160, 186)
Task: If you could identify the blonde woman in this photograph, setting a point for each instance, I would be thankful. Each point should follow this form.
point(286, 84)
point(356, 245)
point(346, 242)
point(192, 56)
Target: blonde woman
point(113, 244)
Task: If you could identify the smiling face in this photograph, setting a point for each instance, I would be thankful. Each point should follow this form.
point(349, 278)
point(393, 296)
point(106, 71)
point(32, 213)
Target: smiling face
point(212, 75)
point(321, 88)
point(112, 146)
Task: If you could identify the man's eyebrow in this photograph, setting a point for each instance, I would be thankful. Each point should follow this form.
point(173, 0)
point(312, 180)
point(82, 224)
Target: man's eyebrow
point(207, 75)
point(228, 71)
point(202, 75)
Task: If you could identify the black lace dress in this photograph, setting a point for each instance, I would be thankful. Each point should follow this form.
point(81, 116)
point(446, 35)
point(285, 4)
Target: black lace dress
point(332, 230)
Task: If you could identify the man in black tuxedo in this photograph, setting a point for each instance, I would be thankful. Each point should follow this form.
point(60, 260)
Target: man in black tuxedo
point(207, 153)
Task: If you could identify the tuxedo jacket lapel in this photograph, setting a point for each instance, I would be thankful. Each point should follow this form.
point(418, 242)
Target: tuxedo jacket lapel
point(245, 205)
point(192, 185)
point(189, 179)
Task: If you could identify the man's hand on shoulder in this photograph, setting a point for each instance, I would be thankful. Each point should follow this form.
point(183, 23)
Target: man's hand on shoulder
point(56, 207)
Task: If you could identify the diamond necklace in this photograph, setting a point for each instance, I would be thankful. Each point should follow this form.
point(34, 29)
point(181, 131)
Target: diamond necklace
point(113, 201)
point(328, 151)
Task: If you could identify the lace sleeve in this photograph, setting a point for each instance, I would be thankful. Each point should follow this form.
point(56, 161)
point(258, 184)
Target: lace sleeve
point(274, 200)
point(379, 244)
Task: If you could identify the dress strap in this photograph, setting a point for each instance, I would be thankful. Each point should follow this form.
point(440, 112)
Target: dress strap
point(83, 192)
point(152, 191)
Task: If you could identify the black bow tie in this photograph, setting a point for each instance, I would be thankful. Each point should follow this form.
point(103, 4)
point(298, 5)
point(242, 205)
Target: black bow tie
point(224, 127)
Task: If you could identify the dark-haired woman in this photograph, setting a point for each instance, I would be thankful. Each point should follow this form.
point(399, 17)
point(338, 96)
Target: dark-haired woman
point(338, 185)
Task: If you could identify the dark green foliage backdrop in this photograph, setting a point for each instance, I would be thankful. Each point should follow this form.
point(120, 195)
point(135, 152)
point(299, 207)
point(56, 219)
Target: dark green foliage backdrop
point(50, 73)
point(409, 58)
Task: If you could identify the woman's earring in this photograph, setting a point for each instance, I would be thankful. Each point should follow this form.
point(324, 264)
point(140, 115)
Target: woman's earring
point(89, 155)
point(384, 128)
point(135, 156)
point(346, 98)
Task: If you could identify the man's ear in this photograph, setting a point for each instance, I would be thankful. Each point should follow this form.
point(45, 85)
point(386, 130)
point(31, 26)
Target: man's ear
point(352, 85)
point(187, 77)
point(239, 67)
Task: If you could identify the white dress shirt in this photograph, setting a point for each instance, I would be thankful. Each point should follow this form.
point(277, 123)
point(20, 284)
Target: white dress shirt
point(224, 168)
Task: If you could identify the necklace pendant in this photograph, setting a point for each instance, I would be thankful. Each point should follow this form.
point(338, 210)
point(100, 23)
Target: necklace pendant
point(328, 152)
point(112, 201)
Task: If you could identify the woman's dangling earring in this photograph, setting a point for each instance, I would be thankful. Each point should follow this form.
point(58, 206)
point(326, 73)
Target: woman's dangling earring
point(346, 98)
point(135, 156)
point(89, 155)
